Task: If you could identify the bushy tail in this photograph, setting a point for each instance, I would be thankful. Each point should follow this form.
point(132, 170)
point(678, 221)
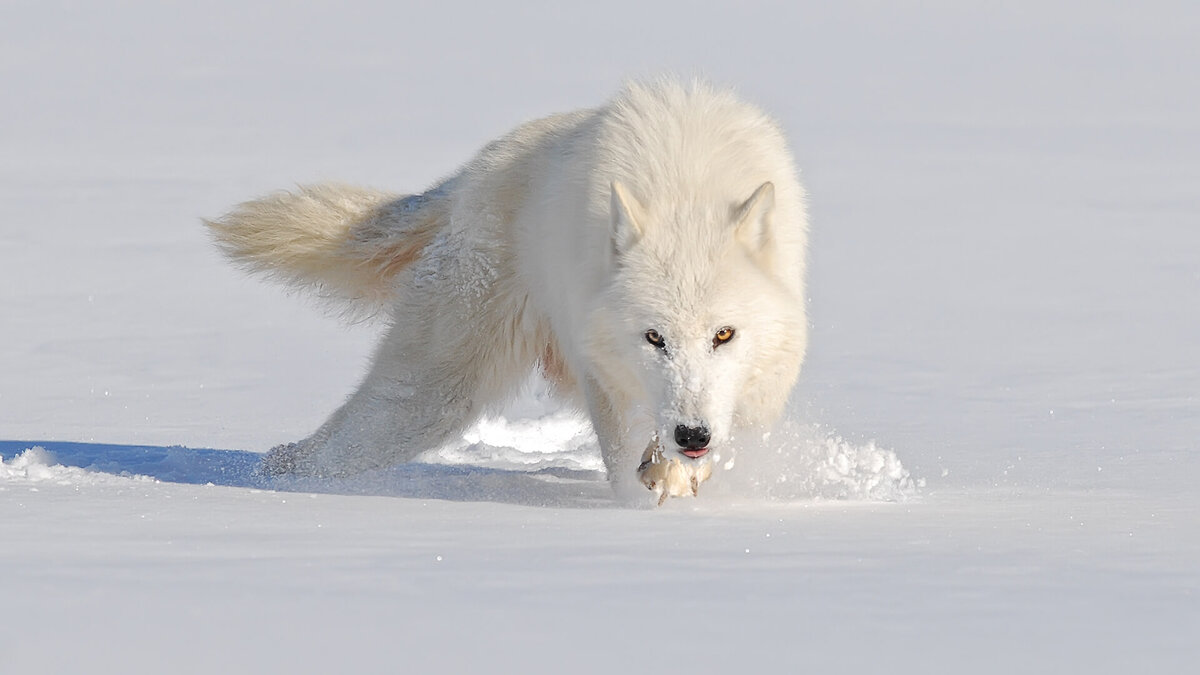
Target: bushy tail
point(346, 242)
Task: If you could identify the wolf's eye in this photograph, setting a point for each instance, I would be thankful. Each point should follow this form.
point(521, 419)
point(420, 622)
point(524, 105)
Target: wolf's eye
point(722, 336)
point(655, 339)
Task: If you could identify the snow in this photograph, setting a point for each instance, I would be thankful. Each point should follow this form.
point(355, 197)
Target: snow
point(990, 465)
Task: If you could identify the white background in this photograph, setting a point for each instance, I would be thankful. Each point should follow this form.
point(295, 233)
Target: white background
point(1005, 291)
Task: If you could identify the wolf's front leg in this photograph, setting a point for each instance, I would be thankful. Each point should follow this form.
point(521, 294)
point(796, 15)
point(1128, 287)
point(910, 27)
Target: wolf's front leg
point(620, 448)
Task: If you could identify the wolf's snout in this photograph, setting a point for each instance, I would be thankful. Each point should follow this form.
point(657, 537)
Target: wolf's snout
point(692, 441)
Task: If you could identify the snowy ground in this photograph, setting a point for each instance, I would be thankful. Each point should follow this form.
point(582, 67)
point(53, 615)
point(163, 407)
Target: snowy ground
point(991, 464)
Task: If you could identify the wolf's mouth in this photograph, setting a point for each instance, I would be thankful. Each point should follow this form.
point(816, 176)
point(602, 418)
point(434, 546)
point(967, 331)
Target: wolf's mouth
point(694, 454)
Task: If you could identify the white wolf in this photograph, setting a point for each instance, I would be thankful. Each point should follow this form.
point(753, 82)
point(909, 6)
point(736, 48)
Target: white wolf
point(647, 255)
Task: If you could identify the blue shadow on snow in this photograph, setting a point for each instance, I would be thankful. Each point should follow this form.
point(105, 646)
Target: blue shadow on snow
point(237, 468)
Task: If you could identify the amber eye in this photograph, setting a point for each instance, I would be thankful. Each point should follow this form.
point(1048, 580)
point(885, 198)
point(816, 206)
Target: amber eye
point(655, 339)
point(722, 336)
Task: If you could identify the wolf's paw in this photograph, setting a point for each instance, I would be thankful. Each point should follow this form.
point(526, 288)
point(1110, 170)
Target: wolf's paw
point(282, 460)
point(671, 477)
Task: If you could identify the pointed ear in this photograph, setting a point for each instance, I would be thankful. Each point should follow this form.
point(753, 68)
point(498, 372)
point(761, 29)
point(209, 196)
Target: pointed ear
point(626, 217)
point(753, 217)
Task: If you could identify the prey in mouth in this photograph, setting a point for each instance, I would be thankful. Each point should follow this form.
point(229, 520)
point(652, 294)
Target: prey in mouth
point(673, 477)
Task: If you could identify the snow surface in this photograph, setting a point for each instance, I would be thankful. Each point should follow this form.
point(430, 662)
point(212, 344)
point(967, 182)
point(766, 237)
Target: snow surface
point(991, 464)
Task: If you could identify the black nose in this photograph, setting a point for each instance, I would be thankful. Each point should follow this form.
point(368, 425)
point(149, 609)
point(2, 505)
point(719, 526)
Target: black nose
point(692, 438)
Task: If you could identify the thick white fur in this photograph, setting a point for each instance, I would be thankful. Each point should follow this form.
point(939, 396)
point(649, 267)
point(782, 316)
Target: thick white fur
point(675, 207)
point(344, 241)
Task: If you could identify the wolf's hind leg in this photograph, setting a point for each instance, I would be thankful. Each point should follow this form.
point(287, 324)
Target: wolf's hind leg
point(435, 372)
point(391, 418)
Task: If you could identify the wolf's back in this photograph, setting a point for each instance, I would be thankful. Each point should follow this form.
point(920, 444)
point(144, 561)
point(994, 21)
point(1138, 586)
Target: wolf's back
point(344, 241)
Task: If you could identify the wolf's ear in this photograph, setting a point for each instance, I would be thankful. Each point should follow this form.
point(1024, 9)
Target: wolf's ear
point(626, 214)
point(753, 218)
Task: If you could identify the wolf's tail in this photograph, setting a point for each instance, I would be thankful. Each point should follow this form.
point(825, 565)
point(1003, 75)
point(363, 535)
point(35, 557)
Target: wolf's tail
point(345, 242)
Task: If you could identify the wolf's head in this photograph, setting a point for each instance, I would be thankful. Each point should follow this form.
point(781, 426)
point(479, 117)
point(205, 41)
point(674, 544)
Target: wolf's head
point(704, 327)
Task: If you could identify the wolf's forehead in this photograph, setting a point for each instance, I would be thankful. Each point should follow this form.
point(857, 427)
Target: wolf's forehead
point(688, 235)
point(675, 285)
